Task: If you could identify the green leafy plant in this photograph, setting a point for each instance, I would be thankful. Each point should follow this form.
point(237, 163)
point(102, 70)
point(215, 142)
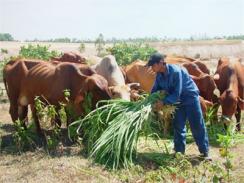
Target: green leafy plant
point(37, 52)
point(23, 138)
point(2, 64)
point(126, 53)
point(4, 51)
point(111, 131)
point(47, 115)
point(226, 141)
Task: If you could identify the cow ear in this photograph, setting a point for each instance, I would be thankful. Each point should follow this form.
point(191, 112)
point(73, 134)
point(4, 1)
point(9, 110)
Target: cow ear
point(89, 84)
point(135, 86)
point(241, 103)
point(216, 77)
point(220, 61)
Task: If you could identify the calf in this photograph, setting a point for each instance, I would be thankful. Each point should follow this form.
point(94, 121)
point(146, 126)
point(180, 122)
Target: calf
point(229, 78)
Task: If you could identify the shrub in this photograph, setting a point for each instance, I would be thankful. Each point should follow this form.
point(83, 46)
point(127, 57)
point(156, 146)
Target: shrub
point(99, 44)
point(37, 52)
point(2, 64)
point(126, 53)
point(4, 51)
point(82, 47)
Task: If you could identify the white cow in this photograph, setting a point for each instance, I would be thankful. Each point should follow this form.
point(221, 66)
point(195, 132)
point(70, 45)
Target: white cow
point(109, 69)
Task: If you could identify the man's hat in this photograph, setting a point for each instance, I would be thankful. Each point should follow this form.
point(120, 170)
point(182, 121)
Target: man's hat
point(155, 58)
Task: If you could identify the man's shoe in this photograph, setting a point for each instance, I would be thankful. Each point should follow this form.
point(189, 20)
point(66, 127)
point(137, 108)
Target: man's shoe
point(177, 155)
point(205, 157)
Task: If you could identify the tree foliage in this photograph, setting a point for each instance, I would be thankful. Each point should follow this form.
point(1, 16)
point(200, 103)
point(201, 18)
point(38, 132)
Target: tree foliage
point(6, 37)
point(126, 53)
point(37, 52)
point(99, 44)
point(82, 47)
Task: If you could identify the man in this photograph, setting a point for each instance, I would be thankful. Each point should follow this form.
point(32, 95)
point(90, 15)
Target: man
point(181, 90)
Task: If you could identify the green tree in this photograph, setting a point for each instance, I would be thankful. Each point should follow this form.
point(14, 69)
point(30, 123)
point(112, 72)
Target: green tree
point(37, 52)
point(82, 47)
point(99, 44)
point(6, 37)
point(126, 53)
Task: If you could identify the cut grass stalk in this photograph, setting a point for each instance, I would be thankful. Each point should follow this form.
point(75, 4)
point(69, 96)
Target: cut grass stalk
point(111, 131)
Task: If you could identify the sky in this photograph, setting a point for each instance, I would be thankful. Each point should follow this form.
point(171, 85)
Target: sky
point(47, 19)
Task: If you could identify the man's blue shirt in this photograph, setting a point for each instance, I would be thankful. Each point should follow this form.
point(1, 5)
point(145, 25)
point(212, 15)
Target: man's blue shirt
point(177, 83)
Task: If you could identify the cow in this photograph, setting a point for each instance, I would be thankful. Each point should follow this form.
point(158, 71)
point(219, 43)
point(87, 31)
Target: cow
point(202, 66)
point(137, 72)
point(49, 81)
point(109, 69)
point(13, 73)
point(182, 60)
point(71, 57)
point(229, 78)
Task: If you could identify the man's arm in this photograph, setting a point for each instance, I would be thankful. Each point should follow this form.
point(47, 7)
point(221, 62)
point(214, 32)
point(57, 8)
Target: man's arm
point(175, 95)
point(155, 86)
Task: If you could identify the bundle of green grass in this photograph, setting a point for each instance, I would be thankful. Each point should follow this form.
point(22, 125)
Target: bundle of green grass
point(111, 131)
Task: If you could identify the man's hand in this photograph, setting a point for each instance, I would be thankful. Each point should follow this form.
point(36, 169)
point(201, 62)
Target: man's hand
point(158, 105)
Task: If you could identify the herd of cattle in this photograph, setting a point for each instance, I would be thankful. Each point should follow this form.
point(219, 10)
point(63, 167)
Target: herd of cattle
point(25, 79)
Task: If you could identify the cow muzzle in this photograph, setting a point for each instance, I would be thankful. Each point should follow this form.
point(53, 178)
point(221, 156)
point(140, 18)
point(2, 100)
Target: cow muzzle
point(226, 120)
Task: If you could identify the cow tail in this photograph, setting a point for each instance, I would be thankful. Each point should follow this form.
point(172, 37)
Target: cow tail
point(5, 82)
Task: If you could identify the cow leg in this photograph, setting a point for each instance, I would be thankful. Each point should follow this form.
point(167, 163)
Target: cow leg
point(238, 119)
point(22, 113)
point(13, 111)
point(57, 119)
point(70, 114)
point(36, 120)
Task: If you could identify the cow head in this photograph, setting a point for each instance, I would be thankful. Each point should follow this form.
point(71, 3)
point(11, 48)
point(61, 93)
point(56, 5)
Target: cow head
point(97, 87)
point(120, 91)
point(123, 91)
point(228, 100)
point(206, 86)
point(192, 69)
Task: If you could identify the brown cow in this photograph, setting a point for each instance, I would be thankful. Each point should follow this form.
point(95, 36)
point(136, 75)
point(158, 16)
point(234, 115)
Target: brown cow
point(71, 57)
point(13, 73)
point(202, 66)
point(49, 82)
point(182, 60)
point(229, 78)
point(137, 72)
